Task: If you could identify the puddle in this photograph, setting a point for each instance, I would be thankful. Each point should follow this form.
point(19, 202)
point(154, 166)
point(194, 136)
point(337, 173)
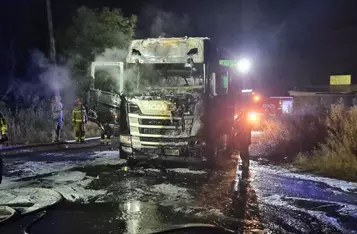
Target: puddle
point(132, 217)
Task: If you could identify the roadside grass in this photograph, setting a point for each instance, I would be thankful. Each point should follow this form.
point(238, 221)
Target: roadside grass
point(285, 137)
point(341, 164)
point(337, 156)
point(35, 125)
point(324, 144)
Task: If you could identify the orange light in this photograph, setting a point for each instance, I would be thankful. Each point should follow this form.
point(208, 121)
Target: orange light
point(253, 116)
point(235, 117)
point(256, 98)
point(116, 116)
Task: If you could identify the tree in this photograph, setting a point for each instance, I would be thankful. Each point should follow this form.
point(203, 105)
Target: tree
point(91, 32)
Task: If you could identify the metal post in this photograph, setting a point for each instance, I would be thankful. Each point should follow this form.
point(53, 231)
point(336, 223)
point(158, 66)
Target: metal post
point(121, 78)
point(50, 31)
point(138, 80)
point(128, 122)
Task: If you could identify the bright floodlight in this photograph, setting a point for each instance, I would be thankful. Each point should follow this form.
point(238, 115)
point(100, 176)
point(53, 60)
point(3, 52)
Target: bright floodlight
point(244, 65)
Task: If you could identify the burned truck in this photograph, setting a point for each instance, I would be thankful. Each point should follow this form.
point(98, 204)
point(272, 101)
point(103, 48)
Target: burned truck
point(103, 98)
point(163, 105)
point(170, 109)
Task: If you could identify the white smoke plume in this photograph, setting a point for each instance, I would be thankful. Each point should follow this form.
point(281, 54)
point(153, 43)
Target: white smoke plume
point(56, 78)
point(154, 22)
point(47, 80)
point(117, 55)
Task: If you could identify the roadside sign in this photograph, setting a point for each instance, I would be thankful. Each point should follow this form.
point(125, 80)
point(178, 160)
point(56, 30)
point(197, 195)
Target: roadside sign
point(226, 63)
point(340, 80)
point(225, 81)
point(247, 90)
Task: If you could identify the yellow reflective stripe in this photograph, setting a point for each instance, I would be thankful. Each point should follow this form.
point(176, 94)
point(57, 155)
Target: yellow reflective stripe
point(3, 126)
point(77, 116)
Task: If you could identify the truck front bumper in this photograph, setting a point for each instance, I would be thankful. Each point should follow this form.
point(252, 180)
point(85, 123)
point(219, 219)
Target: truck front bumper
point(187, 150)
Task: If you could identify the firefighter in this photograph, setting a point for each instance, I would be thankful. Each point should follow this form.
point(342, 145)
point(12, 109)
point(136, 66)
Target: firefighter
point(57, 115)
point(3, 129)
point(106, 117)
point(1, 168)
point(79, 119)
point(4, 138)
point(106, 134)
point(242, 133)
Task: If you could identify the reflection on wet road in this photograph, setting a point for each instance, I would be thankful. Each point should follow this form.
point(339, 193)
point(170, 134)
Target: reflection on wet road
point(102, 197)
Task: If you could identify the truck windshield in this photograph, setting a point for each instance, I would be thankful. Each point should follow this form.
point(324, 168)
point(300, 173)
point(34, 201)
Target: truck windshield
point(166, 50)
point(152, 76)
point(107, 79)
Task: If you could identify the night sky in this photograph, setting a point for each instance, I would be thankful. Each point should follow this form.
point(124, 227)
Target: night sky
point(292, 42)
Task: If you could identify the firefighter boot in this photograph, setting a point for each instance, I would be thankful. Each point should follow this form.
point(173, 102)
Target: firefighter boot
point(108, 139)
point(77, 136)
point(102, 139)
point(83, 136)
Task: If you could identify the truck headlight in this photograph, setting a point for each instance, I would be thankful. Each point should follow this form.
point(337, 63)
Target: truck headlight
point(125, 139)
point(134, 109)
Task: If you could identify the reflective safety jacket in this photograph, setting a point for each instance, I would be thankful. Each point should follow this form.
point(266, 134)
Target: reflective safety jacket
point(3, 126)
point(79, 114)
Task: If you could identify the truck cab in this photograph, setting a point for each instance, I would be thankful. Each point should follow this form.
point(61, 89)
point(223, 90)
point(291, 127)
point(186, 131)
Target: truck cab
point(166, 81)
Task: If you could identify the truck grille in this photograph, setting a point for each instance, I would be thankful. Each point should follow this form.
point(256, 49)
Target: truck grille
point(164, 122)
point(166, 140)
point(159, 131)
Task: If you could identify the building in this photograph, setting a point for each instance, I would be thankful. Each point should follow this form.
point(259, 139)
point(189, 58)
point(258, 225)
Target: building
point(324, 96)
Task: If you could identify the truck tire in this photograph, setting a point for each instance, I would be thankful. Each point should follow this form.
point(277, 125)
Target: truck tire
point(131, 162)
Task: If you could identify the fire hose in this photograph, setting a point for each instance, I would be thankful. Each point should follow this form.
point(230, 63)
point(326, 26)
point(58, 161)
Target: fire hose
point(15, 213)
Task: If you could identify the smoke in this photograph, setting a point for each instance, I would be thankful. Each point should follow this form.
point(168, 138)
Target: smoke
point(112, 55)
point(56, 78)
point(109, 73)
point(47, 80)
point(130, 72)
point(154, 22)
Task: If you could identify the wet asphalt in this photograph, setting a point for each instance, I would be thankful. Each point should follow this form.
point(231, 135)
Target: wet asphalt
point(149, 198)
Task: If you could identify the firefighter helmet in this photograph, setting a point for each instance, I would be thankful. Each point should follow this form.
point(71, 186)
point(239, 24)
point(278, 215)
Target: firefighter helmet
point(79, 101)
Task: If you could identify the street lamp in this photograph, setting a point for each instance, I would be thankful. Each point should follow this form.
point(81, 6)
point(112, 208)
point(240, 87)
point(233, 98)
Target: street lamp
point(244, 65)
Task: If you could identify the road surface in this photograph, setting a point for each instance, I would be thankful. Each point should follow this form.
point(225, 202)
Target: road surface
point(102, 196)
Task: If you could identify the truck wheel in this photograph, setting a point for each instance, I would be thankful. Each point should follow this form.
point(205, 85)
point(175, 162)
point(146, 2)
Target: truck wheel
point(132, 163)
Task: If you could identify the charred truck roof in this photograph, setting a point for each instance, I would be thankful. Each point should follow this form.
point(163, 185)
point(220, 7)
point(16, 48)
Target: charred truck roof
point(167, 50)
